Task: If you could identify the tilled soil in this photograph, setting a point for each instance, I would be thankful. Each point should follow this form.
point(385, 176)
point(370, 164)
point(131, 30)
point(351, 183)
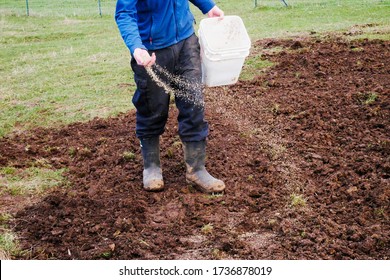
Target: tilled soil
point(303, 149)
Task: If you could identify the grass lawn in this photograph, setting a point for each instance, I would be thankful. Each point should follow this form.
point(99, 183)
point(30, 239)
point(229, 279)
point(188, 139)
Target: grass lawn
point(57, 68)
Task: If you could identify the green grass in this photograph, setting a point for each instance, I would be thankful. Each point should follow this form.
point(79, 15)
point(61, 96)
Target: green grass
point(43, 8)
point(297, 200)
point(32, 180)
point(369, 98)
point(272, 19)
point(56, 71)
point(129, 156)
point(64, 63)
point(207, 229)
point(8, 242)
point(252, 66)
point(28, 182)
point(8, 245)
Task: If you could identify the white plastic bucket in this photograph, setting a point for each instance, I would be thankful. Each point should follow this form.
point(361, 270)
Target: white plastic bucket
point(224, 46)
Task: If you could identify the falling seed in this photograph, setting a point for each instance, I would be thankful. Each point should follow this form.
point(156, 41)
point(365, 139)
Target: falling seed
point(190, 91)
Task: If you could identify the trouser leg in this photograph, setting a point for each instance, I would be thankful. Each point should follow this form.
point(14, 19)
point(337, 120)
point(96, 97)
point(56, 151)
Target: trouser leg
point(191, 118)
point(152, 105)
point(193, 128)
point(151, 100)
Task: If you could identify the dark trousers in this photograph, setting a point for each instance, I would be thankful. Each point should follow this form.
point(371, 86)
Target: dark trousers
point(152, 102)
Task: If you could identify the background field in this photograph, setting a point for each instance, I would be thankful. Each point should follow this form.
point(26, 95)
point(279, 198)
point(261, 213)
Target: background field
point(66, 63)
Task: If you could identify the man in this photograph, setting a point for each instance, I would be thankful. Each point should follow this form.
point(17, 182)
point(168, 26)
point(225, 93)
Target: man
point(162, 32)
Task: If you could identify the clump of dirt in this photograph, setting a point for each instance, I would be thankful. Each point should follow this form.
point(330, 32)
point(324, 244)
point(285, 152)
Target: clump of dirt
point(303, 149)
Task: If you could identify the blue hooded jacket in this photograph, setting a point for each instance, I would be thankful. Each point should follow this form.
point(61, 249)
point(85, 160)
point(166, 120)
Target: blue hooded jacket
point(156, 24)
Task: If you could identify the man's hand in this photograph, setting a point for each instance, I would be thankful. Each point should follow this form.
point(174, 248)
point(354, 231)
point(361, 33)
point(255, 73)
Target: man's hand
point(216, 12)
point(143, 58)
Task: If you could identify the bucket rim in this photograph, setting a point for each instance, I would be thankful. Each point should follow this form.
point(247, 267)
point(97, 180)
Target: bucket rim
point(205, 43)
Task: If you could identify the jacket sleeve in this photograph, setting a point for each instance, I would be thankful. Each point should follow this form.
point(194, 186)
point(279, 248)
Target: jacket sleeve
point(126, 19)
point(204, 5)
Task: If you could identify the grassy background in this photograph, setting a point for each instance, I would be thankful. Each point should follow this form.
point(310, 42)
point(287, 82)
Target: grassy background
point(58, 68)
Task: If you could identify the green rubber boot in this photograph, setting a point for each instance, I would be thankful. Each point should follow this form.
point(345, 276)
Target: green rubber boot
point(197, 175)
point(152, 174)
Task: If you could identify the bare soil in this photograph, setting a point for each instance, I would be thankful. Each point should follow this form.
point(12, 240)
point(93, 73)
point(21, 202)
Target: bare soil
point(304, 149)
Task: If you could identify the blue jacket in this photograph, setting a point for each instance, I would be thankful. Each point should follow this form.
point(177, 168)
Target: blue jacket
point(156, 24)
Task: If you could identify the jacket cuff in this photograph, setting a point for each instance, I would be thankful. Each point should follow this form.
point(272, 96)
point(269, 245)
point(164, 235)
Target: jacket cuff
point(134, 46)
point(204, 6)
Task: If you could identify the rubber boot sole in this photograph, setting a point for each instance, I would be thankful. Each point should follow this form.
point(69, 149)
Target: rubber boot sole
point(154, 186)
point(203, 189)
